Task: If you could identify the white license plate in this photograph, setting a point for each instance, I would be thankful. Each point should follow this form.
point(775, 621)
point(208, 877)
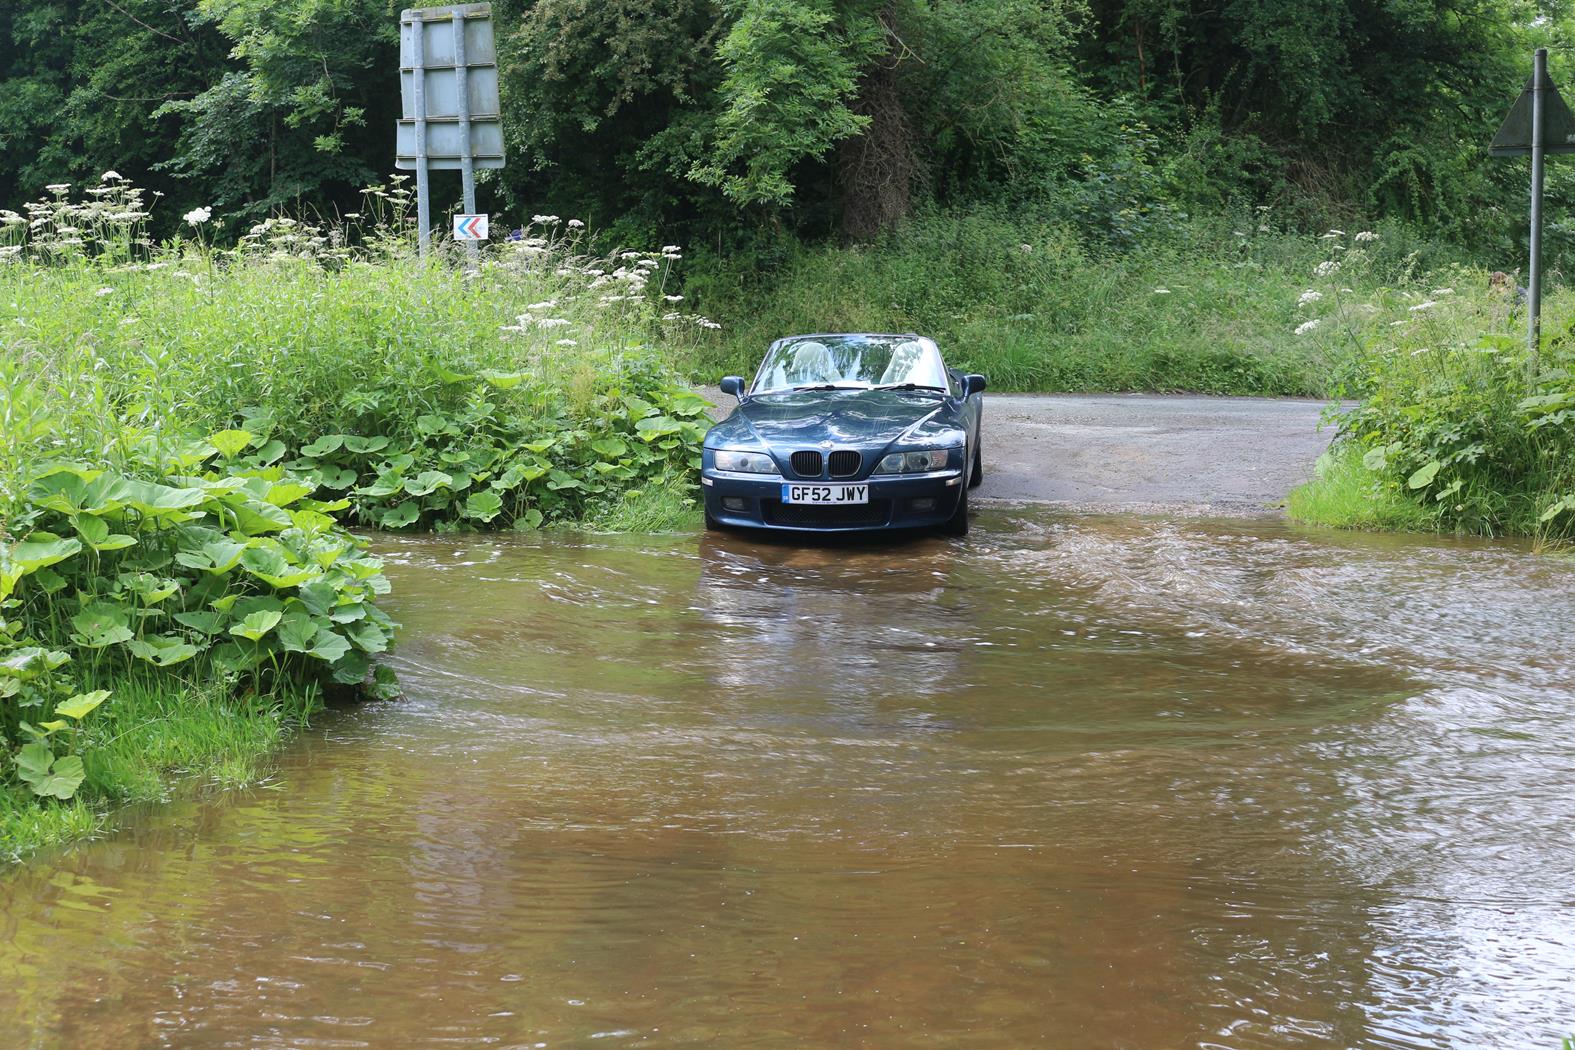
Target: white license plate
point(825, 493)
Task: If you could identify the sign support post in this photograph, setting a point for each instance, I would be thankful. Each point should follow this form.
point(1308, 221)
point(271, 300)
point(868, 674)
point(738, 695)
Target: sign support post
point(419, 91)
point(450, 116)
point(467, 161)
point(1539, 91)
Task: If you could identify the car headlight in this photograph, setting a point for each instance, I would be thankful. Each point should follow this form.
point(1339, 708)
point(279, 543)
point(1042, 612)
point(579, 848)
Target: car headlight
point(745, 462)
point(915, 462)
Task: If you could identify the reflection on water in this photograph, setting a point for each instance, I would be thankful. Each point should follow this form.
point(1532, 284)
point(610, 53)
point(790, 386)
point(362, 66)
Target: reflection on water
point(1072, 782)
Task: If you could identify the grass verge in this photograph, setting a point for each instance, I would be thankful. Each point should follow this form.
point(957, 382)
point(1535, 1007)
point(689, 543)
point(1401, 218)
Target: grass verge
point(1212, 306)
point(155, 736)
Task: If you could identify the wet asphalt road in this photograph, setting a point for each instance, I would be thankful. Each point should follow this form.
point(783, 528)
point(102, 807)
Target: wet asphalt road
point(1145, 452)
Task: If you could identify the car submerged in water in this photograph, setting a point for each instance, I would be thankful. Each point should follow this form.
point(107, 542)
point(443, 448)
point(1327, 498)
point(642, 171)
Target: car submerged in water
point(849, 432)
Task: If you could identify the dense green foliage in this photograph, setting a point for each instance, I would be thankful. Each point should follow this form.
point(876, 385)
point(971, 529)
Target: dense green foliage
point(188, 431)
point(727, 121)
point(1458, 430)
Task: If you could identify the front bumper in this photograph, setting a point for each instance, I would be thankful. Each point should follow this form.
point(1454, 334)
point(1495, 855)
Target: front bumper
point(897, 501)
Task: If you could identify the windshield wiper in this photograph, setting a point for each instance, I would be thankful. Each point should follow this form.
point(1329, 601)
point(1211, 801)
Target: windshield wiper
point(908, 386)
point(828, 386)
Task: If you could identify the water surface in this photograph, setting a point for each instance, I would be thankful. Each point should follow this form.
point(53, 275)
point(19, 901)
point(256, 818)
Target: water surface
point(1072, 782)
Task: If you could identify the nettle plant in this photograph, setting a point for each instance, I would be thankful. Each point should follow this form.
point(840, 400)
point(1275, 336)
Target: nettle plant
point(222, 565)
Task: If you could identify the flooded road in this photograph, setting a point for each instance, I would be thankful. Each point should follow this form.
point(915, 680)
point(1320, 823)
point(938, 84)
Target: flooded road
point(1074, 782)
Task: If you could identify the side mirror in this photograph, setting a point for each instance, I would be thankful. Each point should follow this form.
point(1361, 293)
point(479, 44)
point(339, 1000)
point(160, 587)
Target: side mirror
point(973, 384)
point(733, 385)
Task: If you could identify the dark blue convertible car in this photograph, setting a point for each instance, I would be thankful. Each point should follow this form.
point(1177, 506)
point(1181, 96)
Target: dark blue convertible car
point(847, 432)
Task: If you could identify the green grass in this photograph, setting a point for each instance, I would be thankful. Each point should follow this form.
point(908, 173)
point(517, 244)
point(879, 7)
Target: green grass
point(1344, 494)
point(156, 735)
point(670, 504)
point(1210, 307)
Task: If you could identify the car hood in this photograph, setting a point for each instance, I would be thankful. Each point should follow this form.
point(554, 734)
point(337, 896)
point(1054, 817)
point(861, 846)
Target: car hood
point(846, 418)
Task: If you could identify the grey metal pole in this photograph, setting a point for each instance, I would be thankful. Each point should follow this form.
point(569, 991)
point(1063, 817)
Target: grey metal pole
point(423, 191)
point(1539, 90)
point(467, 162)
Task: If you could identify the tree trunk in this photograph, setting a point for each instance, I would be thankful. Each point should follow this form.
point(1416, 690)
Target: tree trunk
point(876, 166)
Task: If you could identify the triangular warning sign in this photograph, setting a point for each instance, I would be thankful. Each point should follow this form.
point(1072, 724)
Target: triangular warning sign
point(1558, 126)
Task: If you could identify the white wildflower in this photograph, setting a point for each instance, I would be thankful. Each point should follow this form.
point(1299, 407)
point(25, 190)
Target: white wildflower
point(567, 342)
point(551, 322)
point(1366, 235)
point(671, 249)
point(671, 316)
point(104, 291)
point(1307, 326)
point(112, 176)
point(1419, 350)
point(58, 187)
point(673, 298)
point(1263, 229)
point(1161, 290)
point(1026, 249)
point(1309, 296)
point(9, 250)
point(198, 216)
point(706, 323)
point(1425, 304)
point(545, 220)
point(1326, 268)
point(545, 304)
point(576, 224)
point(1442, 291)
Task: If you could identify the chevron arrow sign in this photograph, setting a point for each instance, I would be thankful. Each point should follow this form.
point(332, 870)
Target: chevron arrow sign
point(470, 227)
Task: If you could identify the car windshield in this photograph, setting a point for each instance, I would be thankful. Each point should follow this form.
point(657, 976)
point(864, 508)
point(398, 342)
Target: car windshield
point(854, 361)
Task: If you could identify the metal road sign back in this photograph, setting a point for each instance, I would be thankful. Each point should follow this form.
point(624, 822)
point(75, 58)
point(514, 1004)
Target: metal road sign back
point(429, 87)
point(448, 88)
point(1558, 125)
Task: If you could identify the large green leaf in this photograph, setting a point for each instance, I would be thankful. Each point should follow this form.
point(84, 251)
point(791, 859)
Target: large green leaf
point(428, 481)
point(297, 632)
point(82, 704)
point(215, 556)
point(257, 518)
point(1424, 475)
point(270, 565)
point(153, 500)
point(483, 505)
point(285, 493)
point(230, 443)
point(254, 626)
point(48, 776)
point(101, 624)
point(42, 549)
point(202, 621)
point(95, 533)
point(76, 489)
point(368, 637)
point(162, 650)
point(323, 445)
point(365, 445)
point(328, 646)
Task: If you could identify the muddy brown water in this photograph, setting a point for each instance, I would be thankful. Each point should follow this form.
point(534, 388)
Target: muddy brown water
point(1072, 782)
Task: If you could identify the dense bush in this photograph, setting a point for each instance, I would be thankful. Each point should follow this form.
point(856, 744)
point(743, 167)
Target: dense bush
point(1458, 427)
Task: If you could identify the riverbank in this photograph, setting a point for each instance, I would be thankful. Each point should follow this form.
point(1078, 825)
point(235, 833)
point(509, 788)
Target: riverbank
point(190, 433)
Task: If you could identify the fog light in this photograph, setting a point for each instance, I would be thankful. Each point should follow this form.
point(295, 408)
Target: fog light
point(922, 505)
point(734, 503)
